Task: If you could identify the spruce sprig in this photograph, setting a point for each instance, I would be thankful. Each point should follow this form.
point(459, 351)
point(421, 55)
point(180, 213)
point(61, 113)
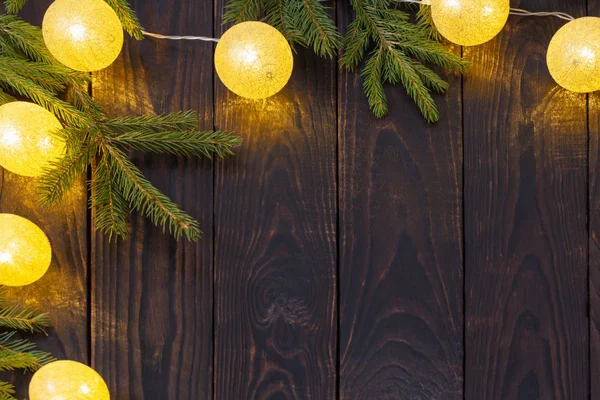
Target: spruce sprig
point(17, 353)
point(402, 52)
point(7, 391)
point(117, 185)
point(22, 318)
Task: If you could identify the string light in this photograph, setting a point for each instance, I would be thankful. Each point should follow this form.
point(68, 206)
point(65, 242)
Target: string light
point(26, 142)
point(254, 60)
point(61, 380)
point(85, 35)
point(574, 55)
point(469, 22)
point(25, 252)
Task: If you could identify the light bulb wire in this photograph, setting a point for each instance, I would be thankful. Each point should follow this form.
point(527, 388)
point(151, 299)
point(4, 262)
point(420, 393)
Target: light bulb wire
point(201, 38)
point(513, 11)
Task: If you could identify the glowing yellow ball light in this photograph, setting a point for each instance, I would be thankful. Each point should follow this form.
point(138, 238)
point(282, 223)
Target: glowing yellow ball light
point(574, 55)
point(25, 252)
point(26, 141)
point(254, 60)
point(469, 22)
point(85, 35)
point(63, 380)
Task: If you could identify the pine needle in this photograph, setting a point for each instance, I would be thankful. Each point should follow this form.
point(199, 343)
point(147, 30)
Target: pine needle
point(108, 204)
point(402, 53)
point(9, 79)
point(183, 120)
point(22, 318)
point(180, 143)
point(144, 197)
point(6, 391)
point(6, 98)
point(242, 10)
point(17, 34)
point(128, 18)
point(14, 6)
point(20, 354)
point(59, 177)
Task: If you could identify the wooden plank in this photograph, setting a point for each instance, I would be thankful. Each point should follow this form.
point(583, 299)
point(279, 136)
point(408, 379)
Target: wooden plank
point(63, 290)
point(401, 318)
point(275, 240)
point(525, 218)
point(594, 228)
point(152, 296)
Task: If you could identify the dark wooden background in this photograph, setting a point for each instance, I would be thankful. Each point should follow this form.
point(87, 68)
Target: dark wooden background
point(344, 256)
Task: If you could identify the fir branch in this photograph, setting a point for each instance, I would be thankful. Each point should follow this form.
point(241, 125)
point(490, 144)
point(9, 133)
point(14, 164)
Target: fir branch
point(238, 11)
point(14, 6)
point(5, 97)
point(432, 80)
point(144, 197)
point(107, 202)
point(128, 18)
point(26, 87)
point(61, 174)
point(399, 69)
point(355, 44)
point(277, 15)
point(180, 143)
point(373, 83)
point(20, 354)
point(22, 318)
point(18, 34)
point(183, 120)
point(53, 78)
point(425, 21)
point(403, 51)
point(313, 21)
point(6, 391)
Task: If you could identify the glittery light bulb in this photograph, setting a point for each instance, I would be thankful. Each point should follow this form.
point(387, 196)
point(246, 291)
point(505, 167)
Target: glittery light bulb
point(85, 35)
point(63, 380)
point(26, 141)
point(469, 22)
point(25, 252)
point(574, 55)
point(254, 60)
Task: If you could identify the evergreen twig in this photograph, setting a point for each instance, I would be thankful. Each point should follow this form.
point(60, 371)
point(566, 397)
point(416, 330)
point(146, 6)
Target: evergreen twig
point(18, 353)
point(6, 391)
point(144, 197)
point(402, 48)
point(180, 143)
point(17, 317)
point(128, 18)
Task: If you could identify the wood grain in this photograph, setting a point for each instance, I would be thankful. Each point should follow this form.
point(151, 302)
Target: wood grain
point(525, 218)
point(62, 291)
point(401, 314)
point(594, 229)
point(275, 240)
point(152, 296)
